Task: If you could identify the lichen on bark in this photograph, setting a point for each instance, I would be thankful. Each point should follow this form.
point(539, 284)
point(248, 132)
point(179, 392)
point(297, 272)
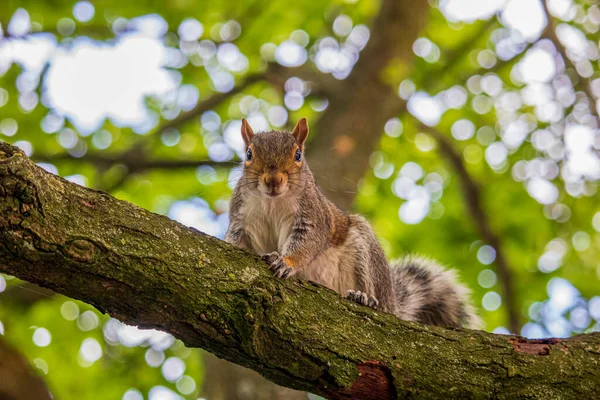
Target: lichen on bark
point(147, 270)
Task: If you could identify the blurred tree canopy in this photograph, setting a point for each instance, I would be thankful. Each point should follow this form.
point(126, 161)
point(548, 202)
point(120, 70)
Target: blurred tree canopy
point(466, 131)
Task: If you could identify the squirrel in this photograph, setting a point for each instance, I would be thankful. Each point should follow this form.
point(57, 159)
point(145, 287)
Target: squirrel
point(278, 212)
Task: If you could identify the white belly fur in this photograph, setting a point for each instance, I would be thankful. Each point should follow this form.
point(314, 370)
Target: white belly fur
point(268, 225)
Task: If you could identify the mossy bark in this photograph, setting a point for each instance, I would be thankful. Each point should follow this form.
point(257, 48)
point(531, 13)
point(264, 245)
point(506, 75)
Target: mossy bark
point(149, 271)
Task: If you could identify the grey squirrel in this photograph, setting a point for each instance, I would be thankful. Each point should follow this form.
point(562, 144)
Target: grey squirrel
point(278, 212)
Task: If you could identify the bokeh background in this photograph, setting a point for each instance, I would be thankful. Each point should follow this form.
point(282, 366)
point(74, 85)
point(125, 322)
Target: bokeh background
point(483, 151)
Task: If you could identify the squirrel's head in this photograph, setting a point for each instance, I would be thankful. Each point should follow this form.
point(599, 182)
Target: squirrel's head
point(274, 161)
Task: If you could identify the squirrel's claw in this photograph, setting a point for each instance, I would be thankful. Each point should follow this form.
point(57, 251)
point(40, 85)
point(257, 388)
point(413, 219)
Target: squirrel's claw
point(277, 265)
point(362, 298)
point(271, 257)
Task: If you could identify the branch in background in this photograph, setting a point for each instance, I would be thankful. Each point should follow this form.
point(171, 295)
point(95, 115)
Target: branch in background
point(17, 379)
point(321, 83)
point(96, 32)
point(136, 159)
point(133, 163)
point(582, 83)
point(459, 53)
point(275, 74)
point(471, 193)
point(504, 63)
point(25, 294)
point(110, 187)
point(149, 271)
point(471, 190)
point(102, 32)
point(207, 105)
point(195, 112)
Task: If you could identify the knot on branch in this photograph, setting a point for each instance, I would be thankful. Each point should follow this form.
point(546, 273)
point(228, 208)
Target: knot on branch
point(81, 250)
point(18, 196)
point(375, 381)
point(538, 347)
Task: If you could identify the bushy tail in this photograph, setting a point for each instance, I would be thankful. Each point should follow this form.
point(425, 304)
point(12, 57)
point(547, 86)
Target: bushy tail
point(428, 293)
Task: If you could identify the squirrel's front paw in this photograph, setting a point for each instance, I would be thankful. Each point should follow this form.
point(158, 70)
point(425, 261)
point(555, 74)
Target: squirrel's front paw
point(362, 298)
point(277, 265)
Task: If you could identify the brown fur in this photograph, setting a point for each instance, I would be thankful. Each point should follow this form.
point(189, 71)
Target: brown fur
point(339, 228)
point(278, 212)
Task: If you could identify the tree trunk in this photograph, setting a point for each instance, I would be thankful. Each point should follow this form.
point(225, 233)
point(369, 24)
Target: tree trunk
point(226, 381)
point(352, 125)
point(17, 380)
point(147, 270)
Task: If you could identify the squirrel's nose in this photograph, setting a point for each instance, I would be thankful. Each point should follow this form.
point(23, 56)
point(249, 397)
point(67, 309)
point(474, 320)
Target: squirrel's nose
point(273, 180)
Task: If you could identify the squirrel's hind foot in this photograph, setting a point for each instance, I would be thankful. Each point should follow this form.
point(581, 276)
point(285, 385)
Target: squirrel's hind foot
point(277, 265)
point(362, 298)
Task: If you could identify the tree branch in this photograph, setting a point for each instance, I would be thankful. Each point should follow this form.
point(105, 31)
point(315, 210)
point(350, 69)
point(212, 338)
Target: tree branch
point(471, 193)
point(147, 270)
point(582, 84)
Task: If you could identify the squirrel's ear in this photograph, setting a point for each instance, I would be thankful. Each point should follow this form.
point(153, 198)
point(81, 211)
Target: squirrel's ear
point(247, 132)
point(301, 131)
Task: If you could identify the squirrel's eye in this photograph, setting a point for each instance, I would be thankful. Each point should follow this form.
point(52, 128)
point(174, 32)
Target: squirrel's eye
point(249, 154)
point(298, 155)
